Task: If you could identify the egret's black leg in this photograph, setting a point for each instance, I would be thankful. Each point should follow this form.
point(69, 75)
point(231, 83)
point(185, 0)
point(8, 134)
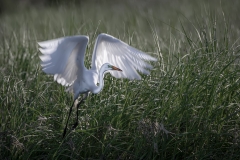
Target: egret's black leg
point(76, 123)
point(82, 100)
point(70, 111)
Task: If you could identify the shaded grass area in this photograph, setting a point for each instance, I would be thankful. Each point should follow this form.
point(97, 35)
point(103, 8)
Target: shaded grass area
point(188, 108)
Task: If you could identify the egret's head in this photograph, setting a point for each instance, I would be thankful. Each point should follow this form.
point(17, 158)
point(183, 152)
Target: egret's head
point(111, 67)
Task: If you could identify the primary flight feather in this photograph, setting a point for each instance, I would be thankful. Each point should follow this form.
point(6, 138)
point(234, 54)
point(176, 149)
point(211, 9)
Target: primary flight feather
point(64, 58)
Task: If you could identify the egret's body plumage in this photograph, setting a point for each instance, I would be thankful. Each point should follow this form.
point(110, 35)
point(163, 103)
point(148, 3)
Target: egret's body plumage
point(64, 58)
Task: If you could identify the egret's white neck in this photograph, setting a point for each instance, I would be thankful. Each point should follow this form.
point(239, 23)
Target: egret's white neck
point(102, 71)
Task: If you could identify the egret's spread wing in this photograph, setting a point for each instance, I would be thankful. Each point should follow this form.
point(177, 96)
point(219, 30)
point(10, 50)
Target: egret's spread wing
point(63, 57)
point(130, 60)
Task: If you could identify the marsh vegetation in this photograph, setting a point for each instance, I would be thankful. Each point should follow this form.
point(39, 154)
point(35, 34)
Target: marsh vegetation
point(188, 108)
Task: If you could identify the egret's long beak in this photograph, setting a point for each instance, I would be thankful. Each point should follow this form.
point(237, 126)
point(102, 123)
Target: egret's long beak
point(115, 68)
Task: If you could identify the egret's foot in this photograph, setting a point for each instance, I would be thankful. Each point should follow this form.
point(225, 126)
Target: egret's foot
point(75, 125)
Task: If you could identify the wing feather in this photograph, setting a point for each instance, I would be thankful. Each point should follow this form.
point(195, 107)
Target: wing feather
point(63, 57)
point(109, 49)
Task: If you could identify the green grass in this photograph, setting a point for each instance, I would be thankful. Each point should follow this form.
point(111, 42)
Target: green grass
point(188, 108)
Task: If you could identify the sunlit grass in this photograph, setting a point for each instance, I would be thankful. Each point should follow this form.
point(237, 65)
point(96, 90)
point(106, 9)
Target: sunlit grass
point(188, 108)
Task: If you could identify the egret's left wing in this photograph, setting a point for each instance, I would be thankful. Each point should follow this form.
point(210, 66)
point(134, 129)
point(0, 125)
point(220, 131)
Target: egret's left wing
point(109, 49)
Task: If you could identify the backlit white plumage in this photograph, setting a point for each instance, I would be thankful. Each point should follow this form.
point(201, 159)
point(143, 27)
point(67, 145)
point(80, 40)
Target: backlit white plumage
point(64, 58)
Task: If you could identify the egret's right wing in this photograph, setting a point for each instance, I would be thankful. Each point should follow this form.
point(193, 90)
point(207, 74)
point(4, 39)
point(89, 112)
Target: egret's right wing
point(63, 57)
point(109, 49)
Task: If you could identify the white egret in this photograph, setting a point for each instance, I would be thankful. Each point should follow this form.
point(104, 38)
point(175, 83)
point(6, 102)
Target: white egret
point(64, 58)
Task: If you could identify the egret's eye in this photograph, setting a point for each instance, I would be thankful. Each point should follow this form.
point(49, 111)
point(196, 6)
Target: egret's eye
point(109, 66)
